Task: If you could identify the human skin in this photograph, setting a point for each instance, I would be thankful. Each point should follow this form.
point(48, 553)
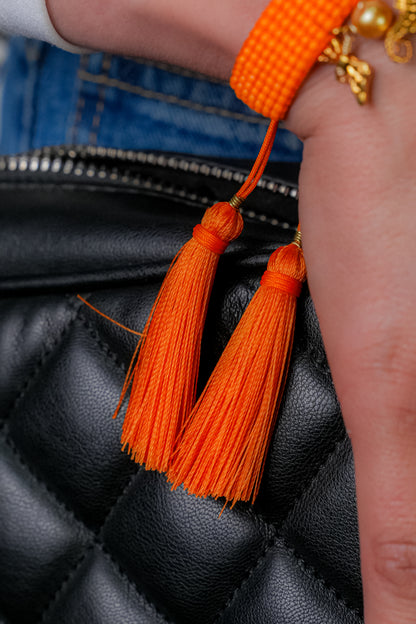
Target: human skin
point(357, 210)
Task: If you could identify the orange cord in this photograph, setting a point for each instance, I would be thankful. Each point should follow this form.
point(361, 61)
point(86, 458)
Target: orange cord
point(260, 162)
point(131, 331)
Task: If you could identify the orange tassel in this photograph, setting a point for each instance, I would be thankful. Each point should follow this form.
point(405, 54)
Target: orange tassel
point(224, 446)
point(164, 369)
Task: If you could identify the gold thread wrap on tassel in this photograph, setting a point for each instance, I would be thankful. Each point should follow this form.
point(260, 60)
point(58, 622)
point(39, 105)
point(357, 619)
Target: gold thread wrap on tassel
point(297, 239)
point(235, 201)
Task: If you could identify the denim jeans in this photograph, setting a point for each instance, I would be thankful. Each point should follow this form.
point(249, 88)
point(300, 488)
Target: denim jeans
point(51, 97)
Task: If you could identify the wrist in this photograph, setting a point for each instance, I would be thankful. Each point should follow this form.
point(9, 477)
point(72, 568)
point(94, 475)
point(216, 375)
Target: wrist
point(191, 33)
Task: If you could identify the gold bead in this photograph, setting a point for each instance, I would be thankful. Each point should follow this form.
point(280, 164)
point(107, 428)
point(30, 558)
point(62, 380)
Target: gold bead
point(372, 18)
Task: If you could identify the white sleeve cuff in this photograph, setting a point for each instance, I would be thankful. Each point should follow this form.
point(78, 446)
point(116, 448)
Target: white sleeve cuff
point(30, 18)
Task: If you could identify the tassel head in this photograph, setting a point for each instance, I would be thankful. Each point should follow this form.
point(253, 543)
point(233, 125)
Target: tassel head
point(286, 262)
point(224, 221)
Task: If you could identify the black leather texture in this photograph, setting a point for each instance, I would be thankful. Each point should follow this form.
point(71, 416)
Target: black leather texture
point(86, 535)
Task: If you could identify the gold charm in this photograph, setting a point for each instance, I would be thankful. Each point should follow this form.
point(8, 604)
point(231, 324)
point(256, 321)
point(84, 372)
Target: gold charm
point(372, 19)
point(398, 48)
point(349, 69)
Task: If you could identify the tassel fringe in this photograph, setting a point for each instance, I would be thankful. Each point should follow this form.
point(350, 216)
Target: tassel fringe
point(224, 446)
point(164, 369)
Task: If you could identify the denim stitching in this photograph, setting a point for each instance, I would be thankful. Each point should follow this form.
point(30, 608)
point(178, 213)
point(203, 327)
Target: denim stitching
point(32, 54)
point(103, 79)
point(180, 71)
point(105, 68)
point(80, 105)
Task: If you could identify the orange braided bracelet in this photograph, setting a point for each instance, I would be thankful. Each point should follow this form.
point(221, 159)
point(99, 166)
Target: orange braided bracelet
point(282, 49)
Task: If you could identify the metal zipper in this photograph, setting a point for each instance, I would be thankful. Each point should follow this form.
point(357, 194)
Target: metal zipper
point(74, 161)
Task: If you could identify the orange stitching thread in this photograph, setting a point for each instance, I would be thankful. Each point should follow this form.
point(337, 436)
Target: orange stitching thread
point(209, 240)
point(83, 64)
point(170, 99)
point(131, 331)
point(99, 109)
point(282, 282)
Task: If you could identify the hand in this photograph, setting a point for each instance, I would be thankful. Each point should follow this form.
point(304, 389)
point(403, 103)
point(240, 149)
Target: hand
point(358, 217)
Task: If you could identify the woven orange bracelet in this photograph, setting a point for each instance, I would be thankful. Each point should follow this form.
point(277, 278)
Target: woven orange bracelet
point(282, 49)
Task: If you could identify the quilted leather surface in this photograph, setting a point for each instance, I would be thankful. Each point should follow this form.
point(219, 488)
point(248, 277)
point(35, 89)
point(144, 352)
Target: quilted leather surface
point(85, 534)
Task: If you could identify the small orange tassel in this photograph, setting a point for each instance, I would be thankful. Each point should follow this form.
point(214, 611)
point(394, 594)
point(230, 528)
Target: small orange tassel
point(164, 369)
point(224, 446)
point(164, 372)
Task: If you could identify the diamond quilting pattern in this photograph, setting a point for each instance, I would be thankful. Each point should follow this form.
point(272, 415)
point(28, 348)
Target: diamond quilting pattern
point(280, 579)
point(40, 540)
point(86, 535)
point(191, 561)
point(63, 424)
point(96, 591)
point(310, 535)
point(300, 445)
point(31, 328)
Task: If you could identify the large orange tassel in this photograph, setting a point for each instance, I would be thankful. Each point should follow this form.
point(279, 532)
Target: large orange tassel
point(164, 370)
point(224, 446)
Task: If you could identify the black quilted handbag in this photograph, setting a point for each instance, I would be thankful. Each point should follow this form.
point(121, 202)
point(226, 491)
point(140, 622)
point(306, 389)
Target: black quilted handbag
point(85, 534)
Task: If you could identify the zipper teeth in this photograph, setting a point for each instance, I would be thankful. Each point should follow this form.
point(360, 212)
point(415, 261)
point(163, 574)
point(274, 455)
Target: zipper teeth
point(69, 161)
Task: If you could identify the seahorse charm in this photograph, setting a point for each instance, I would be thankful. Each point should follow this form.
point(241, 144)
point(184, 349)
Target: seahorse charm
point(398, 48)
point(349, 69)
